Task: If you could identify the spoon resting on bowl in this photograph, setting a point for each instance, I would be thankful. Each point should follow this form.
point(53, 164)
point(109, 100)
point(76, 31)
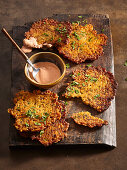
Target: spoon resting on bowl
point(35, 70)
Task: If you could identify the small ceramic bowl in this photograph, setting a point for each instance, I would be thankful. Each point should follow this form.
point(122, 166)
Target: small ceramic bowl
point(46, 57)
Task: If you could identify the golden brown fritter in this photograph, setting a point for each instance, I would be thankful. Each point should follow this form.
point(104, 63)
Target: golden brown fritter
point(49, 31)
point(85, 119)
point(94, 85)
point(52, 134)
point(37, 110)
point(84, 44)
point(40, 115)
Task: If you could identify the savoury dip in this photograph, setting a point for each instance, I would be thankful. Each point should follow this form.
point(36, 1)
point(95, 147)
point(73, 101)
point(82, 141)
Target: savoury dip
point(47, 74)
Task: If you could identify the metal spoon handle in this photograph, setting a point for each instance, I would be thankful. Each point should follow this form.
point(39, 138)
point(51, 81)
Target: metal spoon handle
point(30, 63)
point(16, 45)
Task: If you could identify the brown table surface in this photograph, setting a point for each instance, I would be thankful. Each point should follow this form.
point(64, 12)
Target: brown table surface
point(13, 13)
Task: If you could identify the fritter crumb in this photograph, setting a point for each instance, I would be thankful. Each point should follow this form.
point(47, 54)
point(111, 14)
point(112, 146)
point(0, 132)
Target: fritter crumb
point(85, 119)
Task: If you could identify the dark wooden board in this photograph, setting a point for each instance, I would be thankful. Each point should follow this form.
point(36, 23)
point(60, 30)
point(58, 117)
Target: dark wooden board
point(76, 134)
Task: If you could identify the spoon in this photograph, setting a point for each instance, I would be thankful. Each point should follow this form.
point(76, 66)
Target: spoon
point(35, 70)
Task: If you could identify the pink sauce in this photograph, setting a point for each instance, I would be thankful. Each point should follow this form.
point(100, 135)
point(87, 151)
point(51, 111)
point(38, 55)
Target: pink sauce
point(48, 72)
point(26, 49)
point(30, 43)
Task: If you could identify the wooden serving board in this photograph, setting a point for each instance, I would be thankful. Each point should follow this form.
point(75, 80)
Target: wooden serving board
point(76, 134)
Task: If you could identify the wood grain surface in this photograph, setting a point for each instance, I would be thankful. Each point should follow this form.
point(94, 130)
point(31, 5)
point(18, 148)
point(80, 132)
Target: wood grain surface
point(76, 134)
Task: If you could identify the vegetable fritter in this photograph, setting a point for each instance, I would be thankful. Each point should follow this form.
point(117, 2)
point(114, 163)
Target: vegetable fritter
point(85, 119)
point(40, 115)
point(48, 31)
point(35, 111)
point(52, 134)
point(84, 44)
point(94, 85)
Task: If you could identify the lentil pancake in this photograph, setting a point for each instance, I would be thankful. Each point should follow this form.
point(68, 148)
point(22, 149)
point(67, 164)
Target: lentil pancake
point(34, 111)
point(94, 85)
point(49, 31)
point(38, 111)
point(84, 44)
point(86, 119)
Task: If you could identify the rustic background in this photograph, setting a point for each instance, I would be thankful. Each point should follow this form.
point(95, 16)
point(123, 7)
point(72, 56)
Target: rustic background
point(14, 13)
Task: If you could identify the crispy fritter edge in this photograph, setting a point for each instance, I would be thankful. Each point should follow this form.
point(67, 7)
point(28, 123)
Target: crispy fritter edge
point(36, 136)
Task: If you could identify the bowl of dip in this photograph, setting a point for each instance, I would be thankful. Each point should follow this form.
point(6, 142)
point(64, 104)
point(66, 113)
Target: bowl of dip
point(52, 69)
